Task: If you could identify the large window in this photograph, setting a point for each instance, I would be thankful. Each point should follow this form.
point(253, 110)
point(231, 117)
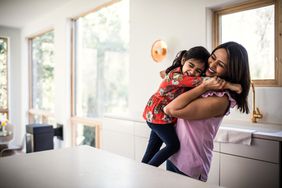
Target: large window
point(100, 69)
point(255, 25)
point(3, 77)
point(42, 76)
point(101, 61)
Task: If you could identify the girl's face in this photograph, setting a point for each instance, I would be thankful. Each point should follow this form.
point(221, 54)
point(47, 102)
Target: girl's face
point(193, 67)
point(217, 63)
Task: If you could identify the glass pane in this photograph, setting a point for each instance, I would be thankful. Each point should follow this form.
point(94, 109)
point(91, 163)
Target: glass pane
point(3, 115)
point(86, 135)
point(102, 61)
point(43, 71)
point(3, 73)
point(254, 29)
point(36, 118)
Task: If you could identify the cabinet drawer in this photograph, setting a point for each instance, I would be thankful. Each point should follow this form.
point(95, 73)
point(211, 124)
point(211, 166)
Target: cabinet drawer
point(239, 172)
point(117, 125)
point(216, 146)
point(260, 149)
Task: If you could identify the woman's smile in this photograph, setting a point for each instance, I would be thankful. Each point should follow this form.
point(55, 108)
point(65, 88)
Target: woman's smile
point(217, 63)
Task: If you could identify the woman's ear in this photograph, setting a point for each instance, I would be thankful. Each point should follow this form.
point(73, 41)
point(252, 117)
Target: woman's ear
point(182, 61)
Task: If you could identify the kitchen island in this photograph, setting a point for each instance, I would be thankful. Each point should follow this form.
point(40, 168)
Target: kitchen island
point(85, 166)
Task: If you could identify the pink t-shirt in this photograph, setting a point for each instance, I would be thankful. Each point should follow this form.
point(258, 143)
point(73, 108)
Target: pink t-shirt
point(196, 142)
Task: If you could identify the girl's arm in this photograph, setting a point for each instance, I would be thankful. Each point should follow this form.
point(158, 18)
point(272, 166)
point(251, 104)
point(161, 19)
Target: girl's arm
point(227, 85)
point(234, 87)
point(189, 106)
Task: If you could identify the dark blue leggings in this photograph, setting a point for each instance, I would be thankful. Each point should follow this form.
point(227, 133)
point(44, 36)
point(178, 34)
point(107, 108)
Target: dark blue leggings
point(164, 133)
point(171, 167)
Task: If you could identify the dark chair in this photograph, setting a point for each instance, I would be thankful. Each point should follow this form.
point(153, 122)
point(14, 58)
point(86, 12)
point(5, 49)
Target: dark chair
point(13, 149)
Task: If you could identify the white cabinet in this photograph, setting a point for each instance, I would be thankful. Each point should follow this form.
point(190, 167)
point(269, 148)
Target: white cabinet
point(247, 173)
point(141, 136)
point(265, 150)
point(117, 137)
point(250, 166)
point(233, 165)
point(140, 147)
point(119, 143)
point(213, 177)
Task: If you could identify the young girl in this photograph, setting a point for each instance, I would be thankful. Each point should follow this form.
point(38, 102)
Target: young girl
point(183, 74)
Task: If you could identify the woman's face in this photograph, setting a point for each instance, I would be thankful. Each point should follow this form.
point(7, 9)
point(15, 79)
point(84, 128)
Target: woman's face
point(217, 63)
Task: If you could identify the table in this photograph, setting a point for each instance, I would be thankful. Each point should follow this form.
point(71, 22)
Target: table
point(85, 166)
point(4, 140)
point(9, 134)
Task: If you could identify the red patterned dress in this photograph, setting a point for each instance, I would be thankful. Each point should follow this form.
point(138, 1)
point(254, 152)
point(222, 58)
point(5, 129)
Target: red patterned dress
point(174, 84)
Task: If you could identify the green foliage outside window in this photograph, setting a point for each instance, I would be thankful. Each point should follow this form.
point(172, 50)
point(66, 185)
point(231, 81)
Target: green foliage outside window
point(43, 71)
point(102, 65)
point(3, 74)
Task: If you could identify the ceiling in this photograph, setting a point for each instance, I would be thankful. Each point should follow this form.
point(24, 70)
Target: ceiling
point(18, 13)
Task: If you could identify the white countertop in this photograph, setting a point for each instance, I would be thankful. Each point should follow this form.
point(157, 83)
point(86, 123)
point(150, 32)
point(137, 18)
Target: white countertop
point(261, 130)
point(85, 166)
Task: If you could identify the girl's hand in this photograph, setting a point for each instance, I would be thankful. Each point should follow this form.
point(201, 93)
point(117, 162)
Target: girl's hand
point(214, 83)
point(234, 87)
point(162, 74)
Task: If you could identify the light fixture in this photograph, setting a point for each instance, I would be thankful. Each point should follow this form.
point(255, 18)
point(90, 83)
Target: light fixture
point(159, 50)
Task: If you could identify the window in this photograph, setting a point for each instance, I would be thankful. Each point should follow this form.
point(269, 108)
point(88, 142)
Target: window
point(4, 77)
point(255, 25)
point(85, 132)
point(101, 61)
point(100, 68)
point(42, 77)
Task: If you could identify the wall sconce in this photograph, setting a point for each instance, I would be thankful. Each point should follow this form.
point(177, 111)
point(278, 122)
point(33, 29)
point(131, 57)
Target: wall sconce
point(159, 50)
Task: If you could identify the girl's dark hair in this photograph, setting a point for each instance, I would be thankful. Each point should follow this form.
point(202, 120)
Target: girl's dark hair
point(198, 52)
point(238, 72)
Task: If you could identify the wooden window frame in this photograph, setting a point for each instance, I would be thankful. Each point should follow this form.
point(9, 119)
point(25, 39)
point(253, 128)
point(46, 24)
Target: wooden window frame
point(45, 116)
point(74, 121)
point(277, 81)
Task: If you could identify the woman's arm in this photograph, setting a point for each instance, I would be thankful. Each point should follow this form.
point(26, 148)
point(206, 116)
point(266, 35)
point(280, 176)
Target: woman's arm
point(201, 108)
point(189, 106)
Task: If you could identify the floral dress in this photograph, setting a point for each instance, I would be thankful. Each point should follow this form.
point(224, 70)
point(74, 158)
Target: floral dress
point(174, 84)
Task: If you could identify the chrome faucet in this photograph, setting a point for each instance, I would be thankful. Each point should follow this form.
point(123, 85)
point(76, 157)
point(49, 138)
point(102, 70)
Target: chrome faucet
point(256, 112)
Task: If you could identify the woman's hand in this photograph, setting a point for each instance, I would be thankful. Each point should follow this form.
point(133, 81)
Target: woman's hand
point(214, 83)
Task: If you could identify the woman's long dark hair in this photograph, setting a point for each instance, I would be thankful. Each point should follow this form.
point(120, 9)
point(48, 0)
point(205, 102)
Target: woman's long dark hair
point(198, 52)
point(238, 72)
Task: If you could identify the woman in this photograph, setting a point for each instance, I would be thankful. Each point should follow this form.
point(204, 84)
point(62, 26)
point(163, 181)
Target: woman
point(201, 110)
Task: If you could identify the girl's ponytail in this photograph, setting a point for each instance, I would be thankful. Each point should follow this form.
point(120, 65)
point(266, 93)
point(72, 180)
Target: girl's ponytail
point(176, 62)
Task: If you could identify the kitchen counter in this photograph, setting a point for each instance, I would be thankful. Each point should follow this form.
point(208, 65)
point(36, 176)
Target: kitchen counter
point(85, 166)
point(261, 130)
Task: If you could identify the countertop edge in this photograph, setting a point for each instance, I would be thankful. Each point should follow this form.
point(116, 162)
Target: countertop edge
point(261, 133)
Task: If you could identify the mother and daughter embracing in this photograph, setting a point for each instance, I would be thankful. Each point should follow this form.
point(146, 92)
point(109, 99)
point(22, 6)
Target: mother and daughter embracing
point(196, 92)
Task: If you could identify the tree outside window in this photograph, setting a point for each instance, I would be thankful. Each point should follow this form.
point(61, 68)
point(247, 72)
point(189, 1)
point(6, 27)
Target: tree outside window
point(4, 77)
point(43, 72)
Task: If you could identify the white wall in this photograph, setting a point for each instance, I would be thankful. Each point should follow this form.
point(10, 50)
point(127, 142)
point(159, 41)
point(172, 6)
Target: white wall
point(14, 72)
point(181, 23)
point(172, 21)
